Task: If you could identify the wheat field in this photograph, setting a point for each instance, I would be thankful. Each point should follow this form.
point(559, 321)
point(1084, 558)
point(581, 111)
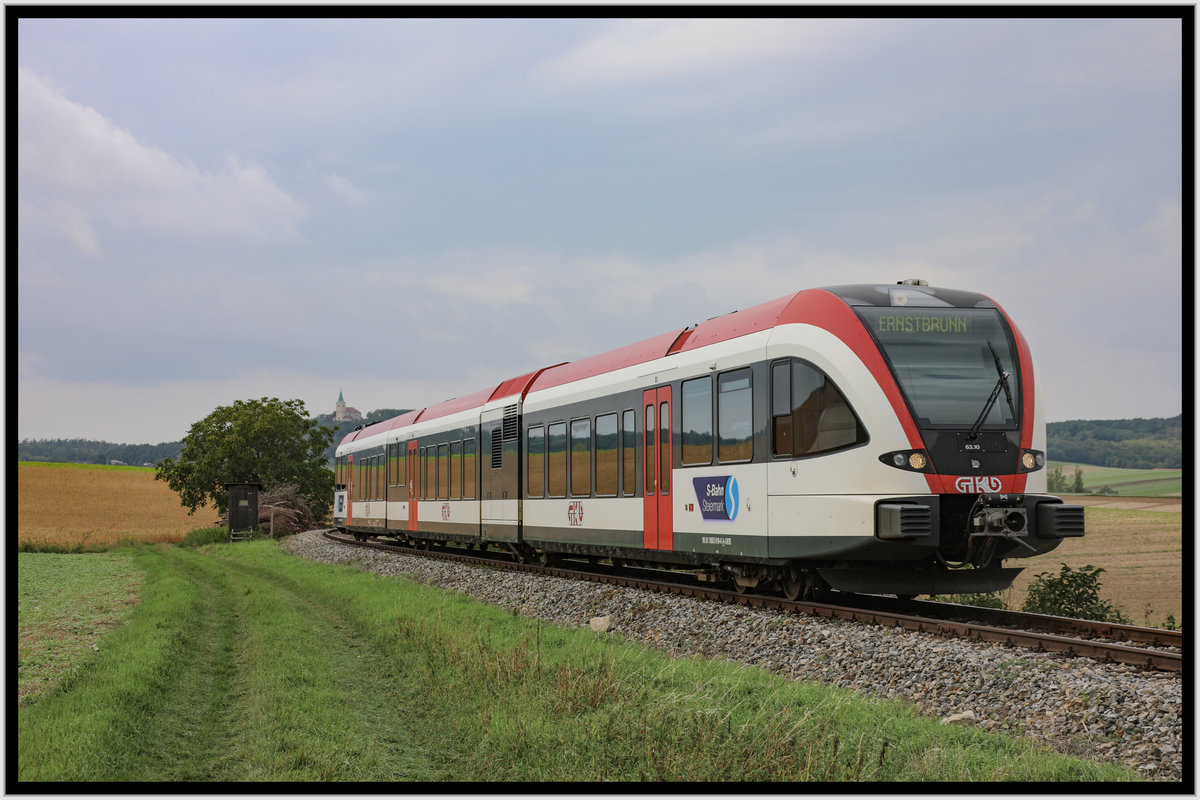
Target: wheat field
point(69, 504)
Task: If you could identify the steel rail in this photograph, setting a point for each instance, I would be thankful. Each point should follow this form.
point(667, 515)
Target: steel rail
point(1033, 640)
point(1046, 623)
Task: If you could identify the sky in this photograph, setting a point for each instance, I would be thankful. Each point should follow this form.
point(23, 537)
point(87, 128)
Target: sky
point(408, 210)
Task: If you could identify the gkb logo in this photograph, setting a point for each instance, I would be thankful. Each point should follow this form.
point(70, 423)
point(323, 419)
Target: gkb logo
point(718, 497)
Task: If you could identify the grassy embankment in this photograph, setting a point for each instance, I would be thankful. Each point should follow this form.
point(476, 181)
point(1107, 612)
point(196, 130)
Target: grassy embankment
point(244, 663)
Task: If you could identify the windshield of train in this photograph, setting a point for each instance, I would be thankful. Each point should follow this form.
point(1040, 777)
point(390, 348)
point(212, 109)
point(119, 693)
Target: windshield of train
point(942, 360)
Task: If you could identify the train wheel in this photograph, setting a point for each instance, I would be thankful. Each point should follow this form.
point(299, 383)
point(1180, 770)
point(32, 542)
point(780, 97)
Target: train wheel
point(793, 583)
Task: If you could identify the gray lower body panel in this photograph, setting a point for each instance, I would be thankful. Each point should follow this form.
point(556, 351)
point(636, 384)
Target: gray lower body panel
point(876, 580)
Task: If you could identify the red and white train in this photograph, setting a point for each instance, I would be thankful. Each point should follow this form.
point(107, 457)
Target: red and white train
point(871, 438)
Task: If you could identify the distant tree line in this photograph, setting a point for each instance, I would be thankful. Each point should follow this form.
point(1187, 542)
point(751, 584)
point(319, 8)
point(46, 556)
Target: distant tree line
point(89, 451)
point(1122, 443)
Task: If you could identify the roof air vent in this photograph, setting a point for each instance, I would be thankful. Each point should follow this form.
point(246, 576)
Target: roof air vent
point(912, 282)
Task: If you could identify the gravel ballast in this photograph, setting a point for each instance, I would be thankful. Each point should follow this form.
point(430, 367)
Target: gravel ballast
point(1088, 709)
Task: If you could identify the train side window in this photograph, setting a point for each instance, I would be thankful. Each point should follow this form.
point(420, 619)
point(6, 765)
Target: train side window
point(443, 472)
point(781, 408)
point(401, 473)
point(629, 453)
point(697, 421)
point(664, 449)
point(428, 484)
point(535, 449)
point(581, 457)
point(469, 469)
point(735, 416)
point(648, 468)
point(608, 464)
point(456, 465)
point(556, 460)
point(819, 419)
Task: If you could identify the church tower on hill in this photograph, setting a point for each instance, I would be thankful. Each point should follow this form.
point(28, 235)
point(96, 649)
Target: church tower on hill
point(345, 413)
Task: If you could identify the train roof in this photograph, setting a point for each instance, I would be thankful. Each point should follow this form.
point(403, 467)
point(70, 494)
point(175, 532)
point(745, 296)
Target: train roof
point(807, 305)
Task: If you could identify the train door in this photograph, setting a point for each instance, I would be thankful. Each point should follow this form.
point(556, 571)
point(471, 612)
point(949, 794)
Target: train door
point(411, 464)
point(656, 460)
point(350, 490)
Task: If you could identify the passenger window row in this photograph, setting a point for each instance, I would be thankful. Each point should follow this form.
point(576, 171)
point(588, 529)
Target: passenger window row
point(559, 456)
point(447, 471)
point(588, 456)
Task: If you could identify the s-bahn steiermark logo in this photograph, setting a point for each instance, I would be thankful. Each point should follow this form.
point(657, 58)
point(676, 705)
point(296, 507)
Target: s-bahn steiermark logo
point(718, 497)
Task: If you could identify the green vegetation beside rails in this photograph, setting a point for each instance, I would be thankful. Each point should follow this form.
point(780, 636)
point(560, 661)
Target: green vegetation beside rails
point(244, 663)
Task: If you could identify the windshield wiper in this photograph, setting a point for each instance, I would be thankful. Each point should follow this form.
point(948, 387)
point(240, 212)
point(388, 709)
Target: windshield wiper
point(1001, 383)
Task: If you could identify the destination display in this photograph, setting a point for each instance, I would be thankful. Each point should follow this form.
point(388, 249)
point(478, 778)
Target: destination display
point(922, 322)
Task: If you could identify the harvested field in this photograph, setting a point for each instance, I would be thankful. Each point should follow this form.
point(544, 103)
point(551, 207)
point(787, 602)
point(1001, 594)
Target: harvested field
point(1140, 549)
point(69, 505)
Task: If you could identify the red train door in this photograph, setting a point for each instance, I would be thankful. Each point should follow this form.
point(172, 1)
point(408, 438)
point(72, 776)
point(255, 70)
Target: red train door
point(411, 462)
point(349, 490)
point(658, 532)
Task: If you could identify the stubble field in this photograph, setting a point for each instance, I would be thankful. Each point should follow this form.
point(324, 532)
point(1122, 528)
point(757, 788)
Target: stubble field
point(1140, 551)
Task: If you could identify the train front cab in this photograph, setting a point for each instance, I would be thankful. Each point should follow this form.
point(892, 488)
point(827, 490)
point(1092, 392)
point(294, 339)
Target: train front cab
point(944, 386)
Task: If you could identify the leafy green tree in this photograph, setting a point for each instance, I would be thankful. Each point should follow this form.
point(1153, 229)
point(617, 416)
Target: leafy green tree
point(269, 441)
point(1072, 593)
point(1078, 487)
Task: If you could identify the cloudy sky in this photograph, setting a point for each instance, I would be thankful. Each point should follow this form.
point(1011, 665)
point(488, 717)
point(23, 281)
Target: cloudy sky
point(409, 210)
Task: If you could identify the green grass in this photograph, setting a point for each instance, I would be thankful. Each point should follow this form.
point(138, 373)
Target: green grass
point(244, 663)
point(1129, 482)
point(67, 604)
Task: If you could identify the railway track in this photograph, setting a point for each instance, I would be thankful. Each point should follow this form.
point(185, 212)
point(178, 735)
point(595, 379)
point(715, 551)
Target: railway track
point(1151, 648)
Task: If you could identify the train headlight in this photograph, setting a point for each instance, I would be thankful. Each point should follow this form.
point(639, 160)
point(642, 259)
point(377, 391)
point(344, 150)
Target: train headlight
point(914, 460)
point(1032, 460)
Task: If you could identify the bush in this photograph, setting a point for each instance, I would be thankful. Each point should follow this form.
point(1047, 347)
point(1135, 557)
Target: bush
point(202, 536)
point(1072, 593)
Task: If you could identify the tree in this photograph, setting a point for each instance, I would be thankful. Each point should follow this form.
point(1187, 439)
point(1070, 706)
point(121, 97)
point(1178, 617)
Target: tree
point(269, 441)
point(1055, 482)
